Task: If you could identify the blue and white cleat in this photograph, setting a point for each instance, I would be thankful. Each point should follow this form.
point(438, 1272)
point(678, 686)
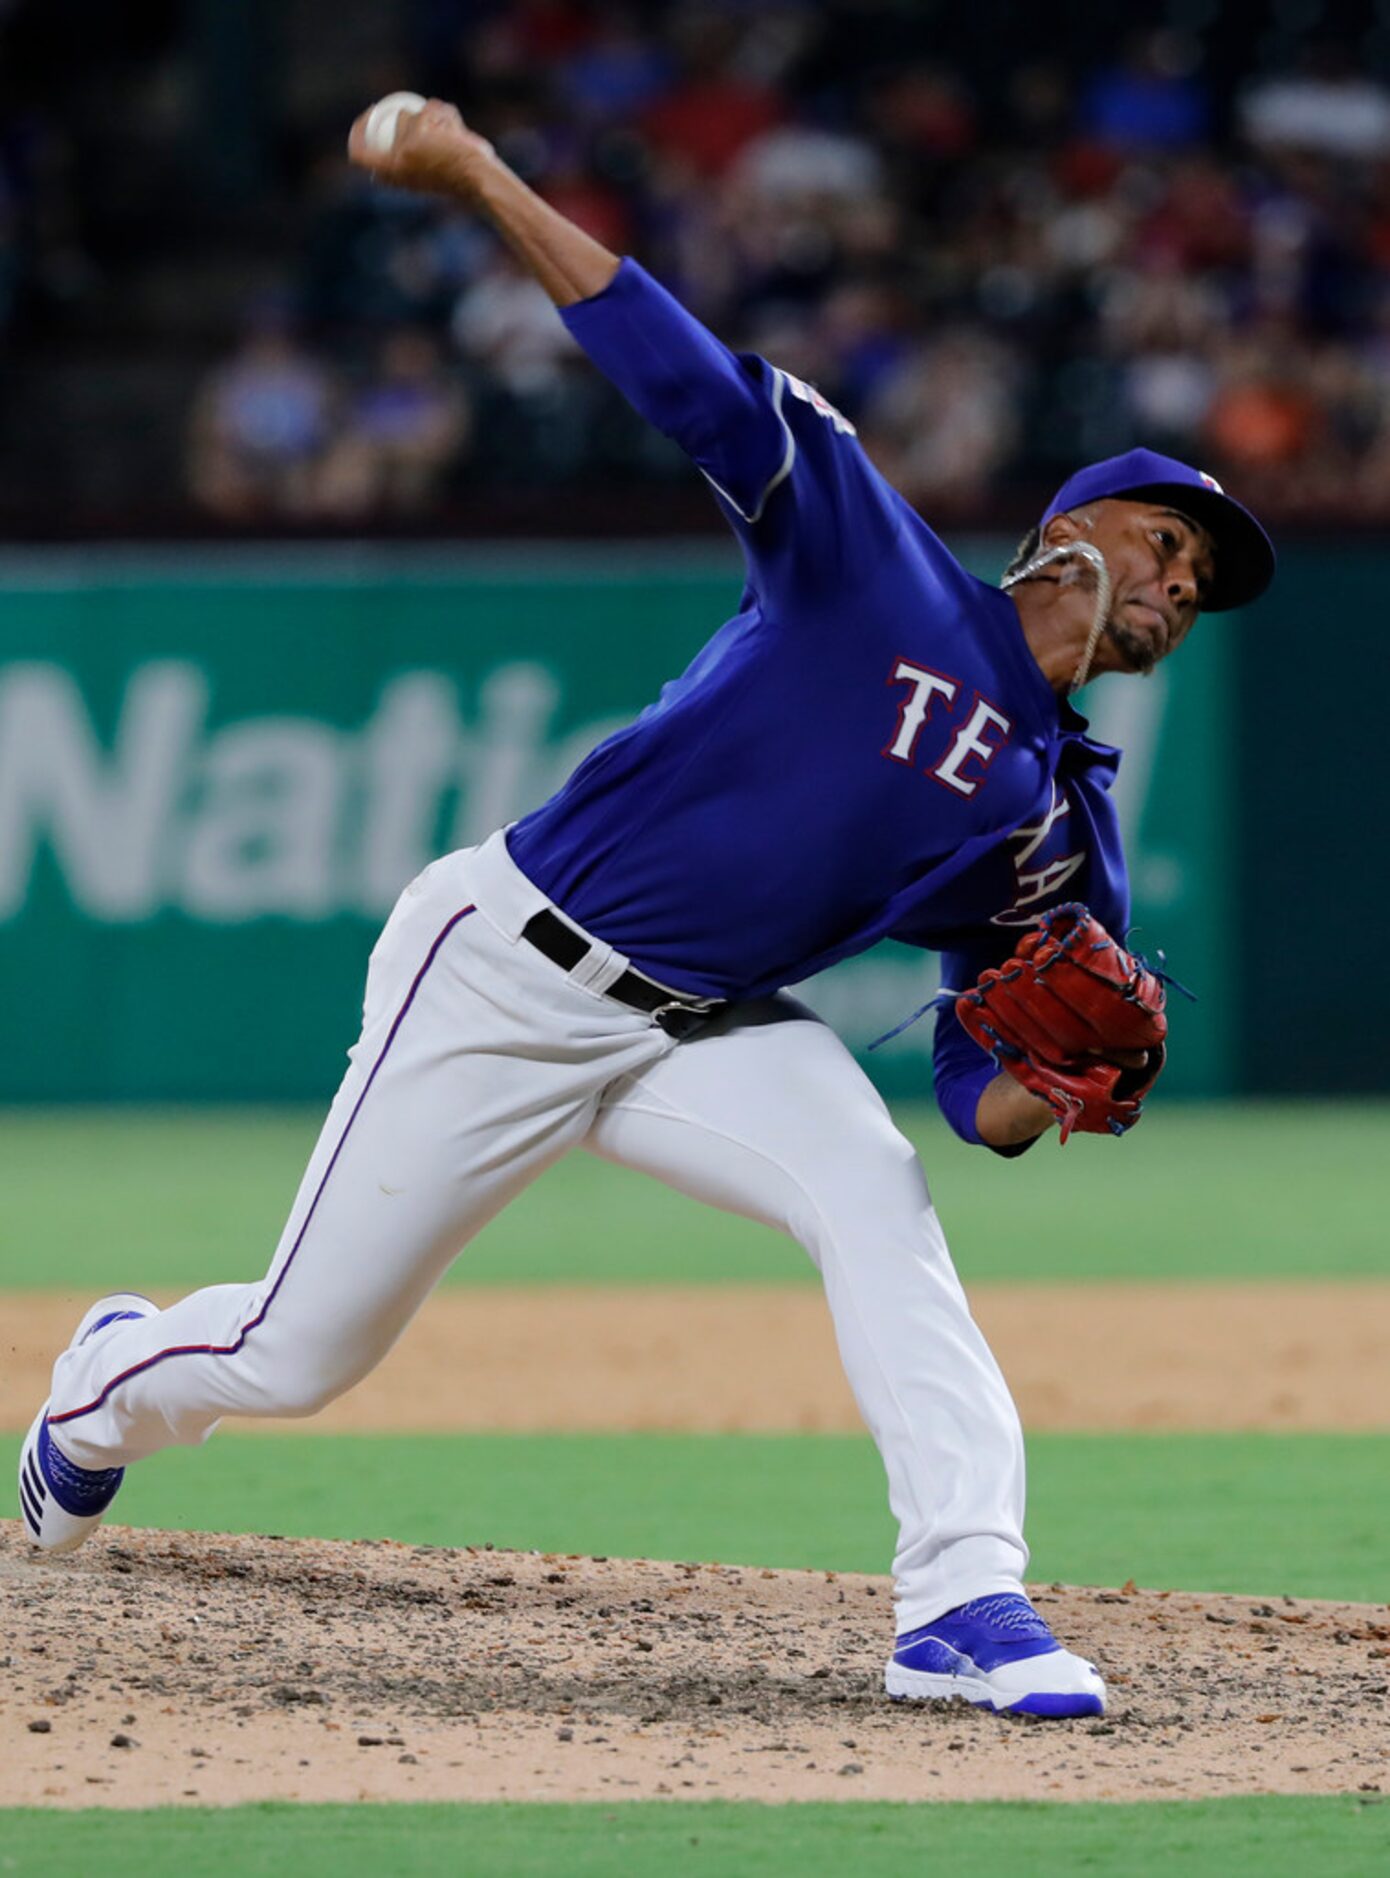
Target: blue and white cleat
point(994, 1652)
point(60, 1501)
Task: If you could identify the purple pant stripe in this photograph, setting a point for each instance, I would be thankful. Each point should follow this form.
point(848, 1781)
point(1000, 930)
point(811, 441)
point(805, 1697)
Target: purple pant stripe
point(230, 1349)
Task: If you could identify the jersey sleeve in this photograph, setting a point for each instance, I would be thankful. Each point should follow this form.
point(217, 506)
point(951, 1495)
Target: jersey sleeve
point(787, 468)
point(960, 1068)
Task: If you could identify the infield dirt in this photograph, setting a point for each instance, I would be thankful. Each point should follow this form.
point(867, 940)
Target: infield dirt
point(762, 1358)
point(156, 1668)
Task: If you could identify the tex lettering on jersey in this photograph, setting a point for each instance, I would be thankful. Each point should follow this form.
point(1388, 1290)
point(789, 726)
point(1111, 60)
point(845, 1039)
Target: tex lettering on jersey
point(982, 733)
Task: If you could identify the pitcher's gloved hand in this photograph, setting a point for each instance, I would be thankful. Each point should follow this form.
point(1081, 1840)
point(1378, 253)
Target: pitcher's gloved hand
point(1076, 1019)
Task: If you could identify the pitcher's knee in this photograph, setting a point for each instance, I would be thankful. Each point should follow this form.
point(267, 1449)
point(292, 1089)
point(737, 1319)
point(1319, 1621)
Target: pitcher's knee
point(295, 1383)
point(880, 1180)
point(299, 1396)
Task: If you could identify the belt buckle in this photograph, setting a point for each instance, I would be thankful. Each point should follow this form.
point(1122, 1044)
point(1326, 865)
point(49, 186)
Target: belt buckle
point(693, 1008)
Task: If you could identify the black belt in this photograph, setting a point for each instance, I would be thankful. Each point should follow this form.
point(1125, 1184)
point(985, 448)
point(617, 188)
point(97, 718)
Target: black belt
point(677, 1012)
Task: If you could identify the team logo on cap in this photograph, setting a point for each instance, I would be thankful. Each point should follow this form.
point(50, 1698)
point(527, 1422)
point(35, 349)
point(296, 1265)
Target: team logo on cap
point(1211, 482)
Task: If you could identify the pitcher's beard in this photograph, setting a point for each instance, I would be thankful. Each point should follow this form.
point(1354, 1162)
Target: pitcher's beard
point(1137, 649)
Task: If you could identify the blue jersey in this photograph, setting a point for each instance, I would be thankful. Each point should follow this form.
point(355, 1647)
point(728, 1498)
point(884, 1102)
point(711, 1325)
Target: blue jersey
point(868, 749)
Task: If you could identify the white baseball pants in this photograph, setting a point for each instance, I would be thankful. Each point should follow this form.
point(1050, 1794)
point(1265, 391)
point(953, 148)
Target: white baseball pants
point(479, 1064)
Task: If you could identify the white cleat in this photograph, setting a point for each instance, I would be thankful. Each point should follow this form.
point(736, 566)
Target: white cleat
point(60, 1501)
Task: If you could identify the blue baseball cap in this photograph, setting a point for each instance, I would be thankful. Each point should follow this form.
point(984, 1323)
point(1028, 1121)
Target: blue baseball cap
point(1244, 552)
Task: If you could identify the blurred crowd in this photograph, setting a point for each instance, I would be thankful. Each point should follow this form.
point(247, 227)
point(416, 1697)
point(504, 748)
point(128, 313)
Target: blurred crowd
point(1046, 246)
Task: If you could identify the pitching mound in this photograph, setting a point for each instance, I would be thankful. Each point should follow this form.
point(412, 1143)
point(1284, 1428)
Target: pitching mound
point(153, 1668)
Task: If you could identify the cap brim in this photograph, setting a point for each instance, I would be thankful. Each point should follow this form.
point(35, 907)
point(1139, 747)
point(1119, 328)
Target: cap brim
point(1244, 552)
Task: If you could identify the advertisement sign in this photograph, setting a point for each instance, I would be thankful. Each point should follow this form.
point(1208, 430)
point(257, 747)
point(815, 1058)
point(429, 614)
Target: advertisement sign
point(217, 772)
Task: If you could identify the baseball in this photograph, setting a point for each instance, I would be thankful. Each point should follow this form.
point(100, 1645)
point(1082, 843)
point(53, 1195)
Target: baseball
point(385, 114)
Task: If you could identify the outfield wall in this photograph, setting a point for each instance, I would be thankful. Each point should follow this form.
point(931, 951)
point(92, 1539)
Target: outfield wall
point(217, 770)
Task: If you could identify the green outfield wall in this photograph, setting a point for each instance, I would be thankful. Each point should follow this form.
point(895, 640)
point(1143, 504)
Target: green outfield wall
point(217, 770)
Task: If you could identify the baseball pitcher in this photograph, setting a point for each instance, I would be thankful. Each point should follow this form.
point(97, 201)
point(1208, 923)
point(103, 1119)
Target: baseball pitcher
point(876, 745)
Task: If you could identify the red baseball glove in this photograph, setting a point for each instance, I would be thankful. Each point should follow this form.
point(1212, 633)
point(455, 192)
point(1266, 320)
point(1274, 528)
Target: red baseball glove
point(1074, 1018)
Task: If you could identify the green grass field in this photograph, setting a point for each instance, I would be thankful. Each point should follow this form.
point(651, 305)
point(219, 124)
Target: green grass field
point(1305, 1515)
point(97, 1201)
point(101, 1200)
point(1276, 1838)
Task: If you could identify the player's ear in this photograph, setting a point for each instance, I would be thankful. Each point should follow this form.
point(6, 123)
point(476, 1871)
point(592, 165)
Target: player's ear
point(1060, 530)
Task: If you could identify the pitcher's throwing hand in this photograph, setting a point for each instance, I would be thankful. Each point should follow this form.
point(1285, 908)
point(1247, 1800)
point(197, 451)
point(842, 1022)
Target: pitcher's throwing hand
point(433, 150)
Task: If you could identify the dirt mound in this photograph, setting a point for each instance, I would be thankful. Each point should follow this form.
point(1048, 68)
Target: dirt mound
point(151, 1668)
